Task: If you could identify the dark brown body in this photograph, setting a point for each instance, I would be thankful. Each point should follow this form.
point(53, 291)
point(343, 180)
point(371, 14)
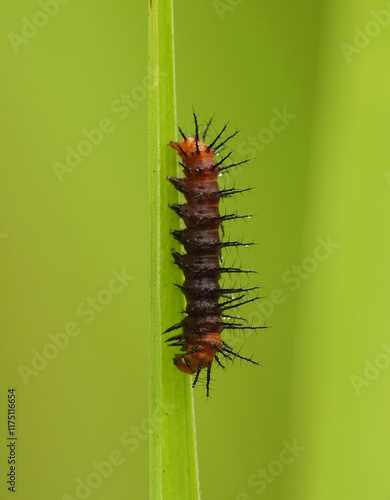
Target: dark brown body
point(201, 265)
point(200, 339)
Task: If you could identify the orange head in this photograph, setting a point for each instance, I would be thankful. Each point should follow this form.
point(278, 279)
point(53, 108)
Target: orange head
point(201, 355)
point(192, 150)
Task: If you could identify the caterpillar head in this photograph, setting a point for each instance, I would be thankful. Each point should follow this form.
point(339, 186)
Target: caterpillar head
point(200, 356)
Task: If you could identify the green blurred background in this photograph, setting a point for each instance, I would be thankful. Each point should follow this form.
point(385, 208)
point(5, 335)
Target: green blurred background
point(322, 206)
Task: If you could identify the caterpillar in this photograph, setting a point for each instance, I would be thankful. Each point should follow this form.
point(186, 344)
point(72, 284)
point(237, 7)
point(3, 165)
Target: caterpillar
point(206, 300)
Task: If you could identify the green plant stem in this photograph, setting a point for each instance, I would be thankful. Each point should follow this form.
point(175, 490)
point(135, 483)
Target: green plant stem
point(173, 463)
